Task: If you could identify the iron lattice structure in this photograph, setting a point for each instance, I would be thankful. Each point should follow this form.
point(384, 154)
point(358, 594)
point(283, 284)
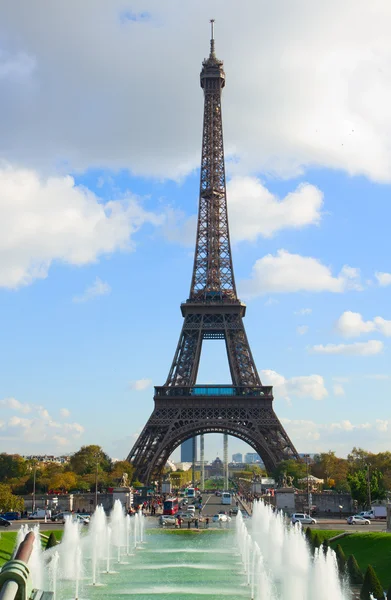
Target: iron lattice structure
point(213, 311)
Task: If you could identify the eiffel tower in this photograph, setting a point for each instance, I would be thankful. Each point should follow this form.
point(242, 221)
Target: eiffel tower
point(244, 408)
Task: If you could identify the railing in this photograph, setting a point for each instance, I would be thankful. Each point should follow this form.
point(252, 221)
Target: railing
point(15, 581)
point(264, 391)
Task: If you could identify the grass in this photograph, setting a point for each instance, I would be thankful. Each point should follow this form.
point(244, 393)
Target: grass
point(370, 549)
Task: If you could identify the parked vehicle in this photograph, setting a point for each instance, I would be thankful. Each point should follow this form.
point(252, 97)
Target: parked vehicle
point(11, 516)
point(376, 512)
point(4, 522)
point(167, 519)
point(61, 516)
point(40, 514)
point(221, 518)
point(357, 520)
point(303, 518)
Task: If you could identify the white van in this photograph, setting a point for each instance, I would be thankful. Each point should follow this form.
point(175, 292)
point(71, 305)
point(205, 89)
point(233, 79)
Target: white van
point(40, 514)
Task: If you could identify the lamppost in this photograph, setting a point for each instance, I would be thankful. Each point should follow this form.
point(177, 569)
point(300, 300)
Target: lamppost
point(96, 484)
point(369, 486)
point(307, 457)
point(34, 482)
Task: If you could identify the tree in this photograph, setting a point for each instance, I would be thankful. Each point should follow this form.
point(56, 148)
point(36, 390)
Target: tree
point(316, 541)
point(63, 481)
point(8, 501)
point(52, 542)
point(309, 535)
point(371, 585)
point(117, 471)
point(88, 458)
point(341, 559)
point(358, 482)
point(294, 468)
point(389, 593)
point(12, 466)
point(332, 469)
point(355, 573)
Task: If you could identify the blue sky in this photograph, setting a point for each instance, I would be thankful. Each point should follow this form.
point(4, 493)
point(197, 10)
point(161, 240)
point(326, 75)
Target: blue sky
point(99, 182)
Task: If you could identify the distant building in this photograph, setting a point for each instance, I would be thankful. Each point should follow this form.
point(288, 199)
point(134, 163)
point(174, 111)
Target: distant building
point(48, 458)
point(251, 458)
point(237, 458)
point(187, 450)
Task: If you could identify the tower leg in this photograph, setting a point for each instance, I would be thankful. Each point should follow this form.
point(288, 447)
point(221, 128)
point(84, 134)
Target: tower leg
point(202, 461)
point(194, 459)
point(225, 457)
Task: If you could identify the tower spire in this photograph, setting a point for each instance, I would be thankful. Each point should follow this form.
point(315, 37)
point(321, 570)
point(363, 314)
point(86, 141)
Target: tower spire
point(212, 39)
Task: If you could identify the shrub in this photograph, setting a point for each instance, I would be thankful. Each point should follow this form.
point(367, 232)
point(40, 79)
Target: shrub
point(51, 541)
point(355, 573)
point(325, 546)
point(316, 541)
point(389, 593)
point(341, 559)
point(309, 535)
point(371, 585)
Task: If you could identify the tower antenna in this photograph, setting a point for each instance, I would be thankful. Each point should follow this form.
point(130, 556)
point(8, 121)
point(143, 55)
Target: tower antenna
point(212, 37)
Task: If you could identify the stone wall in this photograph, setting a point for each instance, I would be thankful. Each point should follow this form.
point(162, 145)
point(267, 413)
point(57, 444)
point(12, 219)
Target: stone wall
point(326, 503)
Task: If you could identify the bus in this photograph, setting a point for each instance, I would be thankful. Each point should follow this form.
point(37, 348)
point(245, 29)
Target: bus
point(170, 506)
point(191, 493)
point(226, 498)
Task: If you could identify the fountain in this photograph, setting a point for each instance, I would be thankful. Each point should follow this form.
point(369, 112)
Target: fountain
point(281, 565)
point(276, 563)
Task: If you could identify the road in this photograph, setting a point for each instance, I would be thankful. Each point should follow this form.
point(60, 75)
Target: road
point(212, 505)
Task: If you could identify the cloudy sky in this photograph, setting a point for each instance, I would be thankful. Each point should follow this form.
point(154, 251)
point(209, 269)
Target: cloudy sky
point(100, 135)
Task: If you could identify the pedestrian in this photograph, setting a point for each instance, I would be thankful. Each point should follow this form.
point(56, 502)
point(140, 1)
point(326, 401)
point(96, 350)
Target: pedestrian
point(180, 521)
point(176, 523)
point(188, 524)
point(196, 523)
point(207, 523)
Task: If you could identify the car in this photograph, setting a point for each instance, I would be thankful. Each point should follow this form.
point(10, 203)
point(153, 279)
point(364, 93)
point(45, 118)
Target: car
point(357, 520)
point(11, 516)
point(4, 522)
point(184, 501)
point(167, 519)
point(191, 508)
point(221, 518)
point(245, 514)
point(218, 493)
point(186, 516)
point(234, 510)
point(303, 518)
point(61, 516)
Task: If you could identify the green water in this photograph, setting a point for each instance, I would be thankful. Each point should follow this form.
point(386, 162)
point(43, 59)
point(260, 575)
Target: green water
point(175, 567)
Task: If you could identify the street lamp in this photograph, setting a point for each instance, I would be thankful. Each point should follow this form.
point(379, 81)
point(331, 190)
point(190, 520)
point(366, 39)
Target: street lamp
point(34, 482)
point(307, 457)
point(369, 486)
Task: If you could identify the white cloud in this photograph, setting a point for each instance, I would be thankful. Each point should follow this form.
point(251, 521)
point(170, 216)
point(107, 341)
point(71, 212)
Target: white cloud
point(14, 404)
point(302, 329)
point(305, 386)
point(337, 114)
point(43, 220)
point(382, 425)
point(351, 324)
point(285, 272)
point(357, 349)
point(39, 429)
point(98, 288)
point(383, 279)
point(64, 412)
point(338, 389)
point(379, 376)
point(254, 211)
point(303, 311)
point(140, 384)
